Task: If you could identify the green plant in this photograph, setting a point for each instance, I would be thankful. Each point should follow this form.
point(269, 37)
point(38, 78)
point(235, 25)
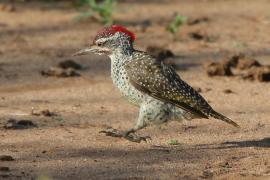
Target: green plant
point(104, 9)
point(173, 142)
point(177, 21)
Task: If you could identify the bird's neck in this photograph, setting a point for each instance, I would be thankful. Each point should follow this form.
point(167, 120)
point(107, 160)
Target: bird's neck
point(120, 57)
point(118, 60)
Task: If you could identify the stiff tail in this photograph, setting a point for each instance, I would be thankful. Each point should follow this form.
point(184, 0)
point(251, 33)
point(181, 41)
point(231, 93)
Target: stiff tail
point(221, 117)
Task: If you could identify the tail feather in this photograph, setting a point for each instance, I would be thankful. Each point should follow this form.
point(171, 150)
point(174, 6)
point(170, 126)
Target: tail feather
point(221, 117)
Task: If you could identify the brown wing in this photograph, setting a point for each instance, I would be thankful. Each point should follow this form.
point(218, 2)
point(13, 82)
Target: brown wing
point(162, 82)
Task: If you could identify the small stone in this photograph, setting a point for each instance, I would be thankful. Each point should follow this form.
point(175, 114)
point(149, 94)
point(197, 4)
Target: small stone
point(227, 91)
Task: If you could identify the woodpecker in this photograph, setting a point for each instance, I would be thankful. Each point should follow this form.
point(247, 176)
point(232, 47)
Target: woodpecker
point(148, 83)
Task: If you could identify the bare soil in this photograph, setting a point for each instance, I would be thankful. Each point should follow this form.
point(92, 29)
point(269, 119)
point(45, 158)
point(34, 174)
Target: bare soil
point(68, 145)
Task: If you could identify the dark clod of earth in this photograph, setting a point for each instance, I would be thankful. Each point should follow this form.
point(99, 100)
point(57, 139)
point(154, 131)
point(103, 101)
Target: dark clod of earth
point(6, 158)
point(202, 36)
point(197, 36)
point(194, 21)
point(45, 112)
point(60, 72)
point(218, 69)
point(69, 64)
point(21, 124)
point(159, 52)
point(242, 62)
point(261, 74)
point(164, 55)
point(227, 91)
point(246, 67)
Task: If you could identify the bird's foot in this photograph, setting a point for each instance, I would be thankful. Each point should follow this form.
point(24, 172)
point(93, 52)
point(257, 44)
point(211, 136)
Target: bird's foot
point(125, 134)
point(135, 138)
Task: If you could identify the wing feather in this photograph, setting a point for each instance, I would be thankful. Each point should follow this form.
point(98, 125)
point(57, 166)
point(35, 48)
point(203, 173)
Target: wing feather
point(161, 82)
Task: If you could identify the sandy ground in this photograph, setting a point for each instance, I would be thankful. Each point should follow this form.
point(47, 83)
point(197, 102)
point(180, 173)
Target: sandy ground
point(69, 145)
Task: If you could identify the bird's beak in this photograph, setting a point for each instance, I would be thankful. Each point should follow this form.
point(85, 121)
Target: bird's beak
point(92, 49)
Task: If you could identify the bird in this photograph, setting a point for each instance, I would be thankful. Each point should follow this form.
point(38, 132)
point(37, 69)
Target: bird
point(148, 83)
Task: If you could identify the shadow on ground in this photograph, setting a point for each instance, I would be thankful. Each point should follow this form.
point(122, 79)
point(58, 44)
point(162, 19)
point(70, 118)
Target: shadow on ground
point(262, 143)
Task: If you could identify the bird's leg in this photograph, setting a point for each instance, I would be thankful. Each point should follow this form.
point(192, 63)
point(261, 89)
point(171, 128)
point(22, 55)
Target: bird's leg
point(151, 111)
point(130, 134)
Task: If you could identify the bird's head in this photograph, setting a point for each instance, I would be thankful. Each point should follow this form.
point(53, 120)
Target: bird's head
point(109, 40)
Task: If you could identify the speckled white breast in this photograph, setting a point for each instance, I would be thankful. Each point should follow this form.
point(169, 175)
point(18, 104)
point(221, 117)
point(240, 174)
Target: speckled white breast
point(121, 81)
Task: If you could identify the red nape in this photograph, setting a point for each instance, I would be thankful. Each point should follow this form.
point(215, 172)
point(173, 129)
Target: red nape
point(118, 28)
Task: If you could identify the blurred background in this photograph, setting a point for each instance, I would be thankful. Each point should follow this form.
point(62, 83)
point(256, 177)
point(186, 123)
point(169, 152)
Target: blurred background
point(53, 105)
point(42, 33)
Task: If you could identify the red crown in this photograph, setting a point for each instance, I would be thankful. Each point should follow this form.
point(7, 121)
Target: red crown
point(108, 31)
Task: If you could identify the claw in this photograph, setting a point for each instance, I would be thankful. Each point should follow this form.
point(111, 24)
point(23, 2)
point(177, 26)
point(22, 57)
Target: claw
point(112, 132)
point(137, 139)
point(129, 136)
